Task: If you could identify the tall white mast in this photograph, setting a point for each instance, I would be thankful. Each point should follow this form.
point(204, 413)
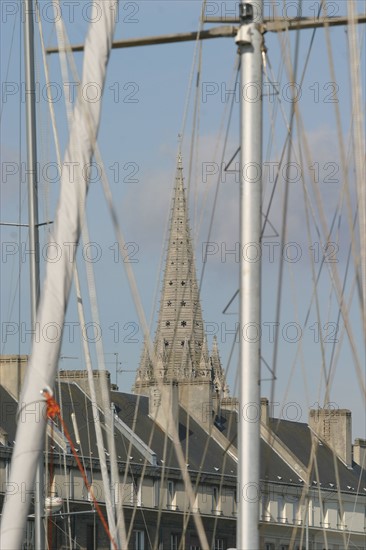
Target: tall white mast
point(41, 371)
point(30, 109)
point(250, 40)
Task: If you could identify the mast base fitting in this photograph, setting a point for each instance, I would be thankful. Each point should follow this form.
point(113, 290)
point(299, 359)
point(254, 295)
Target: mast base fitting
point(245, 34)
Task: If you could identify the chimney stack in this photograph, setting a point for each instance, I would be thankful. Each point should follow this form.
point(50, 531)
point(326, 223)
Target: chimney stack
point(334, 427)
point(359, 452)
point(12, 372)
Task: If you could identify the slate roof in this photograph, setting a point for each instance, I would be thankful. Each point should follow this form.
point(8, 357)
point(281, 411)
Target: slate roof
point(273, 467)
point(8, 414)
point(203, 453)
point(297, 437)
point(75, 401)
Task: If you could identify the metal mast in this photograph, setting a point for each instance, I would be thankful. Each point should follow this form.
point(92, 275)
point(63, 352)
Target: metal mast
point(30, 98)
point(249, 39)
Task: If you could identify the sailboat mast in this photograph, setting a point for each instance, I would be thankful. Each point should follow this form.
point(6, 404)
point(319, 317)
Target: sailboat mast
point(41, 372)
point(250, 41)
point(31, 134)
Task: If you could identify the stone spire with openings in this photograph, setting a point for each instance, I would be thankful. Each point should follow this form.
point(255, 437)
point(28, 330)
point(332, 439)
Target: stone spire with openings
point(180, 344)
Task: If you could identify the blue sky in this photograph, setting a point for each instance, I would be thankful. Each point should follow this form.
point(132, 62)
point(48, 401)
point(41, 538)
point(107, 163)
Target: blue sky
point(142, 116)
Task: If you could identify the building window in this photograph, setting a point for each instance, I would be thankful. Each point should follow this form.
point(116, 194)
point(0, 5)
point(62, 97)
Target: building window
point(194, 544)
point(195, 505)
point(174, 541)
point(7, 471)
point(269, 546)
point(216, 501)
point(87, 493)
point(157, 493)
point(136, 492)
point(139, 537)
point(171, 496)
point(235, 502)
point(91, 536)
point(219, 544)
point(126, 492)
point(70, 483)
point(281, 517)
point(297, 513)
point(340, 519)
point(266, 515)
point(30, 535)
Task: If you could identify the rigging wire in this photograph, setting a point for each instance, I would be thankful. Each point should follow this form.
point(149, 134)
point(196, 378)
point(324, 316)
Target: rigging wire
point(98, 431)
point(181, 135)
point(341, 308)
point(227, 113)
point(293, 74)
point(53, 411)
point(282, 241)
point(343, 162)
point(12, 296)
point(9, 59)
point(86, 240)
point(197, 49)
point(359, 148)
point(62, 32)
point(265, 222)
point(65, 467)
point(334, 274)
point(307, 59)
point(120, 238)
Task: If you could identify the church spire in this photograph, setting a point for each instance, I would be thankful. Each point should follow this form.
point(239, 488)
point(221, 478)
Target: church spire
point(180, 332)
point(180, 325)
point(180, 346)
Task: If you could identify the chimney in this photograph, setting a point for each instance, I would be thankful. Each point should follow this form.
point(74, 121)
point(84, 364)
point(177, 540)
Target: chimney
point(12, 372)
point(359, 452)
point(164, 406)
point(196, 397)
point(230, 404)
point(334, 427)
